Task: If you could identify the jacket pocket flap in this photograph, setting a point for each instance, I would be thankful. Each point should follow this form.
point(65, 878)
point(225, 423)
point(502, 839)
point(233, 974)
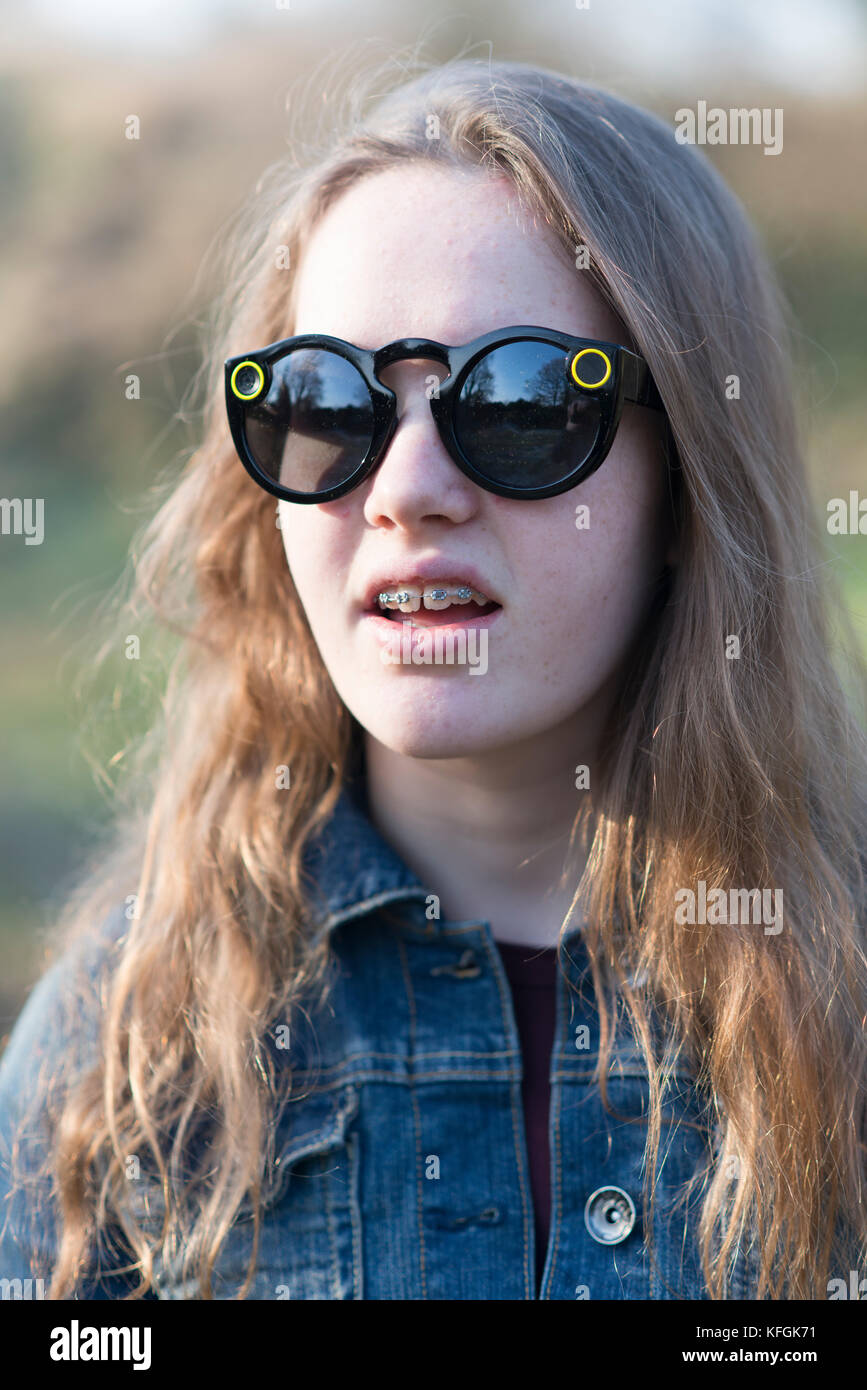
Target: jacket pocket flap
point(313, 1123)
point(306, 1125)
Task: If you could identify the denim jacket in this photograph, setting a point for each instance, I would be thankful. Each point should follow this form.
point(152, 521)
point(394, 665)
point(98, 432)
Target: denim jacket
point(401, 1168)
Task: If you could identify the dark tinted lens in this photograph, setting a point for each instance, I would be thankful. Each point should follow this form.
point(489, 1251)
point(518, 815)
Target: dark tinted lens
point(521, 420)
point(314, 427)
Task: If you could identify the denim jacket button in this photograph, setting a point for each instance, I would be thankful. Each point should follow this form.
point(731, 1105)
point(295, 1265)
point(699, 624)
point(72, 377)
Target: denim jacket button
point(609, 1215)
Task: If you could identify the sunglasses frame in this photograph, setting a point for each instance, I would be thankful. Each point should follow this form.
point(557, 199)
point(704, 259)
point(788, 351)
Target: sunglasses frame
point(627, 378)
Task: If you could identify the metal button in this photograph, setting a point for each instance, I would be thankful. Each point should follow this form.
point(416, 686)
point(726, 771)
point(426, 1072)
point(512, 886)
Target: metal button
point(609, 1215)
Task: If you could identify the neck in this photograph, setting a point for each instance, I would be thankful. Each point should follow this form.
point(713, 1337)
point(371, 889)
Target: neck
point(488, 834)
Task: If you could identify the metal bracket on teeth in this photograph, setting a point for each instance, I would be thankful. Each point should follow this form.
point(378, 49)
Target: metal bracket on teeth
point(403, 595)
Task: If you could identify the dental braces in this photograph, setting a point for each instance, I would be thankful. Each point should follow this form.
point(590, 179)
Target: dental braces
point(400, 597)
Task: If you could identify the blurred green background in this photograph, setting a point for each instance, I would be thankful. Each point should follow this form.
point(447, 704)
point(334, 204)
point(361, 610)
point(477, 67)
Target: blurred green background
point(103, 239)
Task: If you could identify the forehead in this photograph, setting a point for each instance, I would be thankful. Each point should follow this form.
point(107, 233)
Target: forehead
point(426, 251)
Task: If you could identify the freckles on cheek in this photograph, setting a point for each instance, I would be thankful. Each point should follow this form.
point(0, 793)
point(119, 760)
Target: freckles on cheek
point(589, 584)
point(317, 549)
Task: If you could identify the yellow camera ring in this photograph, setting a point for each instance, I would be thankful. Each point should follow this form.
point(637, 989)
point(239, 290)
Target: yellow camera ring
point(249, 395)
point(591, 385)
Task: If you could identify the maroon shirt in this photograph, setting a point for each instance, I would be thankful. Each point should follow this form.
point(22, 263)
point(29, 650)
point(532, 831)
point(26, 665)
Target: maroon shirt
point(532, 974)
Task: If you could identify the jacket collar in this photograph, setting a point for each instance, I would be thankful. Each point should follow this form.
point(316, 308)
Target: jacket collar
point(354, 869)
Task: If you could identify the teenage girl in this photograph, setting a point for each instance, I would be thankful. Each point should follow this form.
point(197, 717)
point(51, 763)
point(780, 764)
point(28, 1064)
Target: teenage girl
point(436, 962)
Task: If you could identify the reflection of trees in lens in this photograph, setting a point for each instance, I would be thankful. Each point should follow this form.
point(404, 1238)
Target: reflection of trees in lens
point(478, 386)
point(521, 420)
point(549, 383)
point(306, 383)
point(315, 427)
point(508, 388)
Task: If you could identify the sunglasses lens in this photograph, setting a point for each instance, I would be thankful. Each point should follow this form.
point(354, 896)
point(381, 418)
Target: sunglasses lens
point(314, 427)
point(521, 420)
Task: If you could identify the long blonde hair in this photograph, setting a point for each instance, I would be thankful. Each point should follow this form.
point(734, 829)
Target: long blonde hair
point(737, 772)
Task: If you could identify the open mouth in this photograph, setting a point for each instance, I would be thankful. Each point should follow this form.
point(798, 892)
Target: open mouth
point(426, 617)
point(434, 605)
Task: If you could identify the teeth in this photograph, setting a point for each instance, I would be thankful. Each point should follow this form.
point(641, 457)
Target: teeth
point(409, 597)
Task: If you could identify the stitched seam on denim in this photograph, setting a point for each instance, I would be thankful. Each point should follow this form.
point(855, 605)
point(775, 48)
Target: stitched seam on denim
point(332, 1239)
point(587, 1074)
point(355, 1215)
point(515, 1100)
point(408, 928)
point(518, 1125)
point(506, 1055)
point(583, 1072)
point(347, 1109)
point(298, 1141)
point(649, 1258)
point(410, 997)
point(444, 1074)
point(359, 909)
point(557, 1186)
point(291, 1150)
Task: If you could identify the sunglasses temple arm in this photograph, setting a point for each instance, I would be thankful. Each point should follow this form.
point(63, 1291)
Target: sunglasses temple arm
point(638, 384)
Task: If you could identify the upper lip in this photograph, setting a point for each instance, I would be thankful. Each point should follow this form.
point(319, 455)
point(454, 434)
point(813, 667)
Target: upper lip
point(424, 572)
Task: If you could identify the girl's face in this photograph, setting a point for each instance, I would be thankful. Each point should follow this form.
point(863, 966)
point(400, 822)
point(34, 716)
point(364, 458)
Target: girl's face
point(426, 252)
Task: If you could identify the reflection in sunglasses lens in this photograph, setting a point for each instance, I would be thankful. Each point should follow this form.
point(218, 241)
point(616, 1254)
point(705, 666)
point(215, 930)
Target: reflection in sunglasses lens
point(521, 420)
point(314, 427)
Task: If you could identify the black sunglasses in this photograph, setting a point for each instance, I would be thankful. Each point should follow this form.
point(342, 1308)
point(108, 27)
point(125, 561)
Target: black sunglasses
point(524, 412)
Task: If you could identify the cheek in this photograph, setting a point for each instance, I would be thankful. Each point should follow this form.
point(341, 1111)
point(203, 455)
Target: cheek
point(593, 563)
point(313, 554)
point(624, 541)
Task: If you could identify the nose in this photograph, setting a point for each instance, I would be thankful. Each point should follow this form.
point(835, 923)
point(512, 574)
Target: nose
point(417, 481)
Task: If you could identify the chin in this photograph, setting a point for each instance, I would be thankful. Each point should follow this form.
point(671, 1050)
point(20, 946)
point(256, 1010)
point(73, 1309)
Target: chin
point(428, 724)
point(433, 744)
